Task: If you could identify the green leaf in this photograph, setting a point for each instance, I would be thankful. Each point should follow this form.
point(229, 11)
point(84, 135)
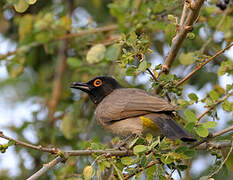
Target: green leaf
point(130, 71)
point(193, 97)
point(149, 137)
point(11, 142)
point(190, 116)
point(132, 39)
point(21, 6)
point(202, 131)
point(214, 95)
point(190, 126)
point(67, 126)
point(167, 159)
point(127, 161)
point(187, 59)
point(209, 124)
point(119, 173)
point(204, 178)
point(142, 66)
point(133, 142)
point(190, 35)
point(44, 36)
point(112, 52)
point(74, 62)
point(139, 149)
point(31, 1)
point(227, 106)
point(170, 32)
point(226, 67)
point(96, 54)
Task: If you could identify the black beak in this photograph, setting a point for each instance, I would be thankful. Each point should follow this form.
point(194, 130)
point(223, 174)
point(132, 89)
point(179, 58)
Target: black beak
point(82, 86)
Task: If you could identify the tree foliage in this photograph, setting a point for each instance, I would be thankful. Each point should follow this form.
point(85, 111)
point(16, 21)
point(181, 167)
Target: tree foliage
point(57, 42)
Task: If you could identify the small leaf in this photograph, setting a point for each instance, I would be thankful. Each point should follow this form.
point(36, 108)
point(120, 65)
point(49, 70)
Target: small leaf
point(170, 32)
point(130, 71)
point(190, 116)
point(142, 66)
point(227, 106)
point(88, 172)
point(193, 97)
point(167, 159)
point(139, 149)
point(127, 161)
point(209, 124)
point(67, 126)
point(202, 131)
point(149, 137)
point(204, 178)
point(96, 53)
point(214, 95)
point(11, 142)
point(133, 142)
point(190, 126)
point(113, 52)
point(74, 62)
point(187, 59)
point(31, 1)
point(21, 6)
point(190, 35)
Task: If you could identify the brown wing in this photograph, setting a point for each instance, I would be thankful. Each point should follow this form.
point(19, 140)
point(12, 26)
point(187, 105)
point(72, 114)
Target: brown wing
point(130, 102)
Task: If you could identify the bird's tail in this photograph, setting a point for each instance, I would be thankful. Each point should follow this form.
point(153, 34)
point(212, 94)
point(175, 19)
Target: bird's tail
point(170, 128)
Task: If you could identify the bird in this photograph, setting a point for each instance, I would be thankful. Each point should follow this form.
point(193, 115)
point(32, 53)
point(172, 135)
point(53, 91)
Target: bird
point(131, 111)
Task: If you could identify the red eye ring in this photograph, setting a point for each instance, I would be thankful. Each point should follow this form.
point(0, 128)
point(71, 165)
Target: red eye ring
point(97, 83)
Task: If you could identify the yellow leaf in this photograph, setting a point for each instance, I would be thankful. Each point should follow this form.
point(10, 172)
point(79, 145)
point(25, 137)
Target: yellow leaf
point(21, 6)
point(87, 172)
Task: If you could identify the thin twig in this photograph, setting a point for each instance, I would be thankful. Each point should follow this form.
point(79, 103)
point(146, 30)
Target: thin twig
point(213, 106)
point(203, 64)
point(141, 169)
point(89, 31)
point(220, 167)
point(45, 168)
point(21, 143)
point(211, 145)
point(152, 74)
point(181, 34)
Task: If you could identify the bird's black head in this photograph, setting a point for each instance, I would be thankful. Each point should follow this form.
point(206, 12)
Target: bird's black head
point(97, 88)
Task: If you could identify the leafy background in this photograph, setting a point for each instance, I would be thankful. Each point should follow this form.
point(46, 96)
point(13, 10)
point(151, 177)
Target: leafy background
point(45, 45)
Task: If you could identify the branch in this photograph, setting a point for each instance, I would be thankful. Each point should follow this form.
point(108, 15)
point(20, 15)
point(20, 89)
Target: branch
point(141, 169)
point(45, 168)
point(4, 56)
point(107, 152)
point(57, 85)
point(195, 7)
point(87, 32)
point(211, 145)
point(39, 147)
point(203, 64)
point(67, 36)
point(212, 136)
point(220, 167)
point(184, 14)
point(214, 105)
point(152, 74)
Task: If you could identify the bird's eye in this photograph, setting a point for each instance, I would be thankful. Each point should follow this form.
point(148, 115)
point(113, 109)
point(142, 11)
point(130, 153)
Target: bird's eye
point(97, 83)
